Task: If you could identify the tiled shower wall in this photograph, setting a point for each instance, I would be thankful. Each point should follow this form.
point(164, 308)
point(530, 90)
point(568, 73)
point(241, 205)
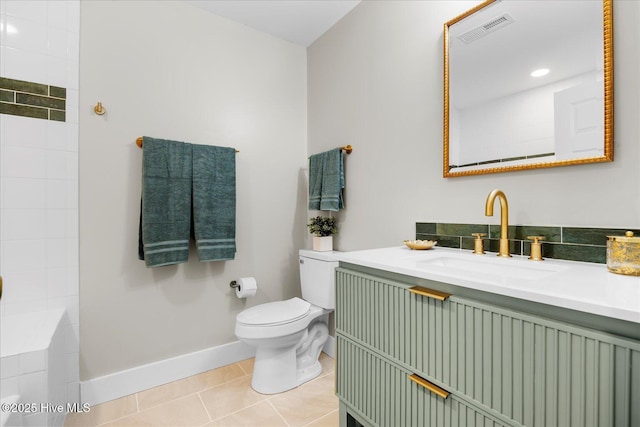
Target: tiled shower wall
point(569, 243)
point(39, 48)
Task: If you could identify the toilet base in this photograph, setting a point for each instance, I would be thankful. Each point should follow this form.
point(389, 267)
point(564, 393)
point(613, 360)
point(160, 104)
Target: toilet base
point(277, 370)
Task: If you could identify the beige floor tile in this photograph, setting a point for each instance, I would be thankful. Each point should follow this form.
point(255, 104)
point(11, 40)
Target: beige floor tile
point(331, 420)
point(230, 397)
point(186, 411)
point(247, 365)
point(229, 400)
point(261, 414)
point(215, 377)
point(162, 394)
point(308, 402)
point(328, 364)
point(105, 412)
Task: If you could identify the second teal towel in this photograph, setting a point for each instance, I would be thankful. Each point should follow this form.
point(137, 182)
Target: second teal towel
point(214, 202)
point(326, 181)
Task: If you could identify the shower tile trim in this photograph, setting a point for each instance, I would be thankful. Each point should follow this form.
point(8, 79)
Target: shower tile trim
point(568, 243)
point(35, 100)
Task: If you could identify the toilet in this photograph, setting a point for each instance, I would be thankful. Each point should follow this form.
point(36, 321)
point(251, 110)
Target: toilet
point(289, 335)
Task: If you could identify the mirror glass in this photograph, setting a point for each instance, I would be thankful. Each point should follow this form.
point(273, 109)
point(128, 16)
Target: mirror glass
point(528, 84)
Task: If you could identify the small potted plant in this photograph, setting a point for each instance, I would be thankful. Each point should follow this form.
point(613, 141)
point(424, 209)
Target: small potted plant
point(323, 228)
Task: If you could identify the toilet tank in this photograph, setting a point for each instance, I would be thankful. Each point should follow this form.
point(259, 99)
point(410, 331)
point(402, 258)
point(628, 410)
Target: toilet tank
point(318, 278)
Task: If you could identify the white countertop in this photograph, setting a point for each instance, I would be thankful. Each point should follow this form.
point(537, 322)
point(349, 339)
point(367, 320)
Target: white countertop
point(581, 286)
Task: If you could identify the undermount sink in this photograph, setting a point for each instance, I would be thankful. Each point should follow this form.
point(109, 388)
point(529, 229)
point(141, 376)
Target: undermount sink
point(489, 268)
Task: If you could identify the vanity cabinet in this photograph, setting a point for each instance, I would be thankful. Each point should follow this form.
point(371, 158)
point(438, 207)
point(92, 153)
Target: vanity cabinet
point(499, 366)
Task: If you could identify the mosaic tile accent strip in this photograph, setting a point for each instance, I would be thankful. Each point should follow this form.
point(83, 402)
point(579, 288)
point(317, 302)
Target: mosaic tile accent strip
point(569, 243)
point(36, 100)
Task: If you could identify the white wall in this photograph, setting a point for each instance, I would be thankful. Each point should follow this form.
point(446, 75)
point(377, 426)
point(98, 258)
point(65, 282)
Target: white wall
point(502, 128)
point(375, 81)
point(170, 70)
point(39, 171)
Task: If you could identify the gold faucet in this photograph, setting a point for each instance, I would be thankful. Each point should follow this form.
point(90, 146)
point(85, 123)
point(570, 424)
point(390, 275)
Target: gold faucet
point(504, 219)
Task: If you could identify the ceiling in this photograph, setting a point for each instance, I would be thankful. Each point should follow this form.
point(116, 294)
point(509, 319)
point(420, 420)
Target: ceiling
point(563, 36)
point(298, 21)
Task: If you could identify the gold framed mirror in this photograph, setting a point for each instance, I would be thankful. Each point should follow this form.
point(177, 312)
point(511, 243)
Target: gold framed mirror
point(528, 84)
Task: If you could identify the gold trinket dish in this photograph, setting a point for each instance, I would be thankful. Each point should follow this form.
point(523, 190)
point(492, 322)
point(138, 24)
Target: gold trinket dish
point(623, 254)
point(420, 244)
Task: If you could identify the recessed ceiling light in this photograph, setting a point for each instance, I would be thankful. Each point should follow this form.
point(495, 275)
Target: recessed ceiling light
point(540, 72)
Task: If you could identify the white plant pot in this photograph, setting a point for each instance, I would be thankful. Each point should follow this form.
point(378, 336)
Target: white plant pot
point(323, 244)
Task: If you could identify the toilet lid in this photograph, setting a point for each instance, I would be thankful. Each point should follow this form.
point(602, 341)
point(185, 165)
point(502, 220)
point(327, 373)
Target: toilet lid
point(275, 313)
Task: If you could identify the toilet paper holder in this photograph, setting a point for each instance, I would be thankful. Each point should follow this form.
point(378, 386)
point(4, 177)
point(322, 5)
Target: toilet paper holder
point(245, 287)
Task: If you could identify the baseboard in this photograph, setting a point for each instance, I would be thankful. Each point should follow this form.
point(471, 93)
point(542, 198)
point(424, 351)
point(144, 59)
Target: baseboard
point(134, 380)
point(130, 381)
point(330, 347)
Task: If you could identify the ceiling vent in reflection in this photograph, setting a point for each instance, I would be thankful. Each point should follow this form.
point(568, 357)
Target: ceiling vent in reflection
point(488, 27)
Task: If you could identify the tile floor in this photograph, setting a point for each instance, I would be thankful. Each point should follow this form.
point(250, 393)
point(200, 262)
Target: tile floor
point(221, 397)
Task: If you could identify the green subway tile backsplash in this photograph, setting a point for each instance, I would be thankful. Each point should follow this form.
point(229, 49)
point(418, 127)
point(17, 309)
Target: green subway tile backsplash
point(460, 229)
point(35, 100)
point(56, 115)
point(426, 227)
point(40, 101)
point(551, 234)
point(7, 96)
point(23, 86)
point(586, 253)
point(592, 236)
point(569, 243)
point(58, 92)
point(24, 110)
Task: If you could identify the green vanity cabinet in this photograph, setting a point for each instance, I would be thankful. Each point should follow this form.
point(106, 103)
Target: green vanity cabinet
point(501, 366)
point(378, 393)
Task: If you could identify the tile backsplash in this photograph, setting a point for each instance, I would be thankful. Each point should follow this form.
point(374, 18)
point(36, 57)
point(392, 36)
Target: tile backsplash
point(569, 243)
point(36, 100)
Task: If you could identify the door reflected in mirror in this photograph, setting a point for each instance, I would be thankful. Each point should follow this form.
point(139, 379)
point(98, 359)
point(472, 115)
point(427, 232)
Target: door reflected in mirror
point(528, 84)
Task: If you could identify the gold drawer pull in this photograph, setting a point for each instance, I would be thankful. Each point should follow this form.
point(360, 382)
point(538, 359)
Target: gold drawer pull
point(419, 290)
point(429, 386)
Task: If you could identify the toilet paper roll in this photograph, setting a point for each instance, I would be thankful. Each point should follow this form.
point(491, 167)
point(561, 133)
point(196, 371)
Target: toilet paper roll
point(247, 287)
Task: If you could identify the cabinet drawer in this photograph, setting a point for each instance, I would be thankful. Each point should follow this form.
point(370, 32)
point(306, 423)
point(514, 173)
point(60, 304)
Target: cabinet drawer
point(386, 316)
point(382, 394)
point(533, 370)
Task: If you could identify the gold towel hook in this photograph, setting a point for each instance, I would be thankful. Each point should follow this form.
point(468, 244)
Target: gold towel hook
point(99, 109)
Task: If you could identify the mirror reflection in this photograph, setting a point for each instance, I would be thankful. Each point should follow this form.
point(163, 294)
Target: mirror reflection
point(528, 84)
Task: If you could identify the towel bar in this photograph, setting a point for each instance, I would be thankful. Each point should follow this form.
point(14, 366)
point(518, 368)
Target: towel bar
point(139, 143)
point(347, 149)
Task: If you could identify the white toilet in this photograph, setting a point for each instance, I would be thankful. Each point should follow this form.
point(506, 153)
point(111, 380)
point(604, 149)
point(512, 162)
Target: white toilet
point(289, 335)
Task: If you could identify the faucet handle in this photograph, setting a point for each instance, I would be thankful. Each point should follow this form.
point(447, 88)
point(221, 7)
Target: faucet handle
point(478, 248)
point(536, 248)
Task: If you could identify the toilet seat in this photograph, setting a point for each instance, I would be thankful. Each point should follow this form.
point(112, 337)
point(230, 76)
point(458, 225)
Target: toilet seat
point(275, 313)
point(294, 317)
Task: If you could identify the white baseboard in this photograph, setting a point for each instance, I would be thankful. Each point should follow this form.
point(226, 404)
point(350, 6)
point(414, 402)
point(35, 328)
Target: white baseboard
point(130, 381)
point(330, 347)
point(134, 380)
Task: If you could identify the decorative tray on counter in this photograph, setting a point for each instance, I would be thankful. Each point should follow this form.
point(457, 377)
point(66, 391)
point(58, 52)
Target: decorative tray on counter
point(420, 244)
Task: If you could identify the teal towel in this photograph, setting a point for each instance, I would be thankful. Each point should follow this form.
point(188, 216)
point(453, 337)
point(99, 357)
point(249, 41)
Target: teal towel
point(165, 217)
point(326, 181)
point(316, 164)
point(185, 184)
point(214, 202)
